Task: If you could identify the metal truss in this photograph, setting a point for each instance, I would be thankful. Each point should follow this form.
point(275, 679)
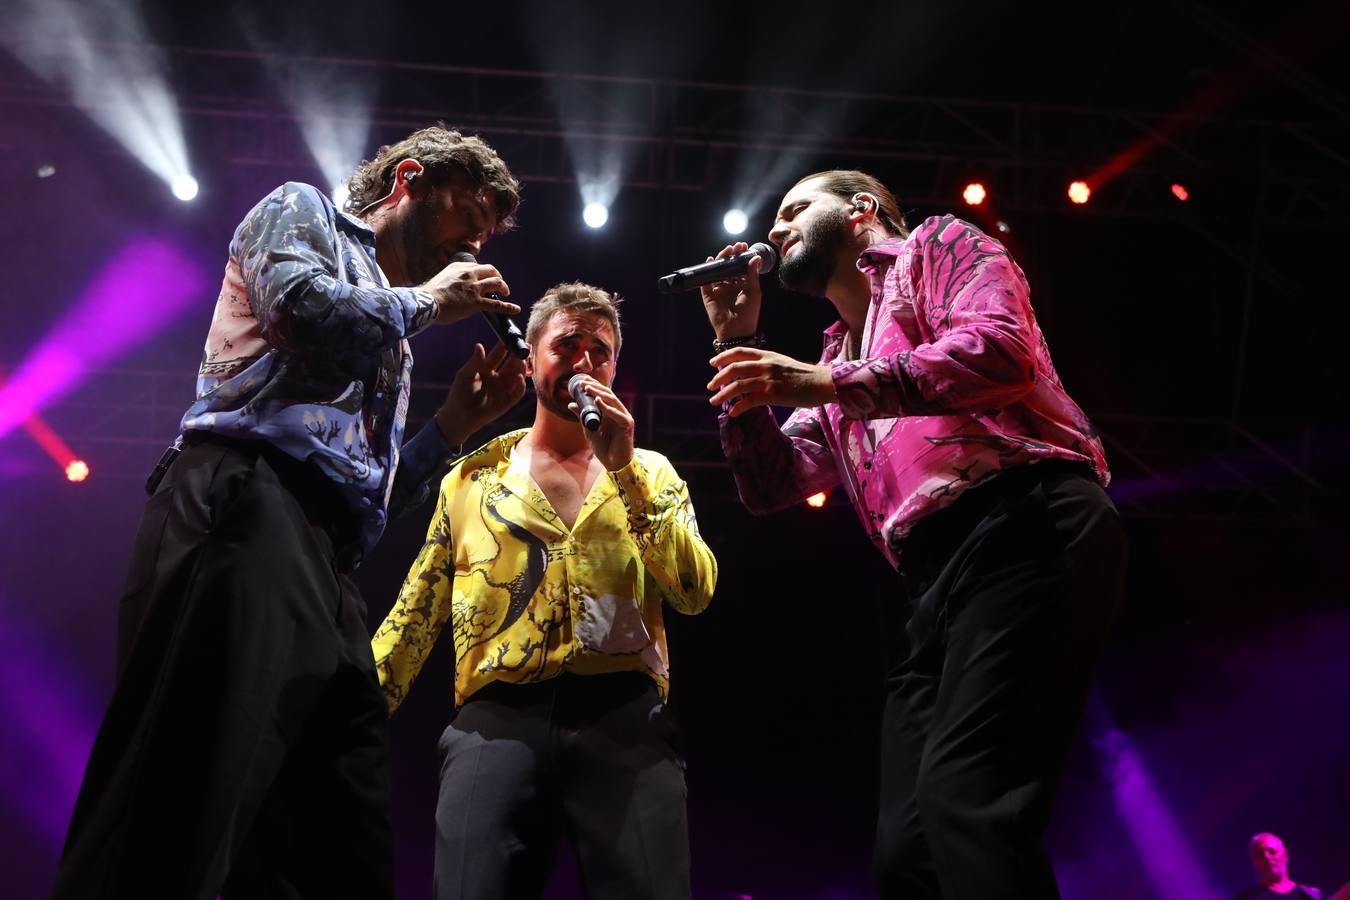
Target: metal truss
point(119, 420)
point(691, 136)
point(699, 137)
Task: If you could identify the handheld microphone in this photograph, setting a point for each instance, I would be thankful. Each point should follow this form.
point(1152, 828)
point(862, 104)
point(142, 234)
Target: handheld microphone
point(506, 330)
point(586, 409)
point(718, 270)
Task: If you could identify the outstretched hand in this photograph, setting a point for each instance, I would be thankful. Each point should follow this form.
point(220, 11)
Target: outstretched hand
point(487, 385)
point(753, 377)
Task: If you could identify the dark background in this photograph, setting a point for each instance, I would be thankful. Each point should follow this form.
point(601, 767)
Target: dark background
point(1207, 340)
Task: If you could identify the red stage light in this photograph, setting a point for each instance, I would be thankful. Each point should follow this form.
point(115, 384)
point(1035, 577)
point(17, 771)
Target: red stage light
point(51, 443)
point(1079, 192)
point(1179, 191)
point(816, 501)
point(974, 193)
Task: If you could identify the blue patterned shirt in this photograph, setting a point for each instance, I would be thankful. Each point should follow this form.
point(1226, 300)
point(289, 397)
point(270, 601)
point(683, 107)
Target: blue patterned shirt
point(308, 351)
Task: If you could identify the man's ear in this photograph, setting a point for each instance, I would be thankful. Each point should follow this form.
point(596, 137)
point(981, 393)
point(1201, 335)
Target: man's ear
point(405, 174)
point(864, 205)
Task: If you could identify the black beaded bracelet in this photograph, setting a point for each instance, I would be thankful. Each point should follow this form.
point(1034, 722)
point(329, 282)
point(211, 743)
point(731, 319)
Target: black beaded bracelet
point(750, 340)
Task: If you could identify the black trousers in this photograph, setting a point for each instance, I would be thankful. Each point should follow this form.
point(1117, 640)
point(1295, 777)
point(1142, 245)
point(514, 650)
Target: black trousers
point(244, 751)
point(592, 757)
point(1013, 588)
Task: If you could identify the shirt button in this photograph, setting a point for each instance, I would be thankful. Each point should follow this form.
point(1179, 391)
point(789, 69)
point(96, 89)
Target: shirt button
point(576, 589)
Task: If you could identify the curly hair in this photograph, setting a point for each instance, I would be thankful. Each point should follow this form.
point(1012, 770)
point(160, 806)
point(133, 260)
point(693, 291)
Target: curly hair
point(844, 183)
point(577, 296)
point(445, 155)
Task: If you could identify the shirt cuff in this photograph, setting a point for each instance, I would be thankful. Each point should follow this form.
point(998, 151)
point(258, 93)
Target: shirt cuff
point(423, 461)
point(419, 308)
point(635, 490)
point(855, 384)
point(429, 448)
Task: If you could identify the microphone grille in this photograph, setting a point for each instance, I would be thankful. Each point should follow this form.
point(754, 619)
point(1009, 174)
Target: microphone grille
point(768, 257)
point(463, 256)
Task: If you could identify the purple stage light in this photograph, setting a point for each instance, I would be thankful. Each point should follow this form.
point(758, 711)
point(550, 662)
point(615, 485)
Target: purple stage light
point(141, 290)
point(52, 726)
point(1159, 840)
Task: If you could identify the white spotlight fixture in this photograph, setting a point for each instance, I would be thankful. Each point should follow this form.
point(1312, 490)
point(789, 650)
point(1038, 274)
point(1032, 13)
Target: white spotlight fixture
point(102, 57)
point(184, 187)
point(46, 170)
point(595, 215)
point(735, 221)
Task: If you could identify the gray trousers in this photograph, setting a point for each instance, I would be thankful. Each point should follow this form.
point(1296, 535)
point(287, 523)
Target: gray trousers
point(592, 757)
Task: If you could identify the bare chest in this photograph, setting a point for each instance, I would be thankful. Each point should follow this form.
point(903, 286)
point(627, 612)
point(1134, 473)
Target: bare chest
point(565, 485)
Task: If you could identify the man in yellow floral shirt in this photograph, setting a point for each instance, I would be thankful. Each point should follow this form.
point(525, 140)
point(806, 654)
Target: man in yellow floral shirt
point(551, 554)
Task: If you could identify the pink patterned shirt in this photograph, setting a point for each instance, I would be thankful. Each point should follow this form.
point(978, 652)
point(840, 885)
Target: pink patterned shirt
point(954, 384)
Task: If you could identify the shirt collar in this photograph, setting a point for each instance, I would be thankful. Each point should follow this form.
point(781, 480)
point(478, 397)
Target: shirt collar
point(875, 257)
point(352, 223)
point(877, 254)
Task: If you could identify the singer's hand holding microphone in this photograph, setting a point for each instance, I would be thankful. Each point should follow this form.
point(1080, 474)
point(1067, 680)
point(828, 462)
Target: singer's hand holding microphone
point(609, 425)
point(733, 303)
point(464, 287)
point(748, 377)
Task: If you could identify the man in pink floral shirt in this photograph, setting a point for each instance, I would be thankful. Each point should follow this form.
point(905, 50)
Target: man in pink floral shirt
point(936, 404)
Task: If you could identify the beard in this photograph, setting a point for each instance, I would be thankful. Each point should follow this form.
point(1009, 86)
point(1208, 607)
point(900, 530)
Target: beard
point(421, 257)
point(808, 271)
point(554, 398)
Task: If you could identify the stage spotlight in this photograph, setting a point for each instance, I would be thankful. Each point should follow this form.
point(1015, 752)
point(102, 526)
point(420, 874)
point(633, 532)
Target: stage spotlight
point(77, 470)
point(332, 104)
point(974, 193)
point(1179, 191)
point(46, 170)
point(595, 215)
point(135, 294)
point(1003, 227)
point(816, 501)
point(103, 56)
point(184, 187)
point(735, 221)
point(1079, 192)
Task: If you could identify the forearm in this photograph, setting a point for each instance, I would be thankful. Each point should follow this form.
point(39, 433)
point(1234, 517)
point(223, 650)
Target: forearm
point(773, 469)
point(308, 310)
point(977, 368)
point(406, 636)
point(290, 257)
point(423, 461)
point(661, 521)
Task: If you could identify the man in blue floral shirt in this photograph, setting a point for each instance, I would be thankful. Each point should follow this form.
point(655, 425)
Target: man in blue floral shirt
point(243, 752)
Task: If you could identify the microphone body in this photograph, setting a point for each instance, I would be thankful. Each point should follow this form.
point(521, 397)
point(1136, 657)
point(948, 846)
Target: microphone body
point(586, 408)
point(506, 330)
point(718, 270)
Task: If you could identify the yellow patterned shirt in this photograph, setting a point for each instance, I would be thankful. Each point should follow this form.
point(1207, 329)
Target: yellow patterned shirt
point(527, 598)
